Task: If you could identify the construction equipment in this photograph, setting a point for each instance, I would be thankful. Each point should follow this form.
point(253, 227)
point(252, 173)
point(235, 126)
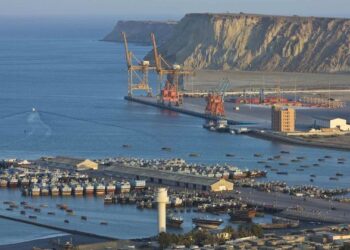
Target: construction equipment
point(142, 66)
point(169, 91)
point(215, 110)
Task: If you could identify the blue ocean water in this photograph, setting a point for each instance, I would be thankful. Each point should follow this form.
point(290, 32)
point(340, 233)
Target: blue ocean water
point(76, 85)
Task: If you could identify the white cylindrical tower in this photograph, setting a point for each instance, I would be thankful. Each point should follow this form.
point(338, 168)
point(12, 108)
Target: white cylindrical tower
point(162, 199)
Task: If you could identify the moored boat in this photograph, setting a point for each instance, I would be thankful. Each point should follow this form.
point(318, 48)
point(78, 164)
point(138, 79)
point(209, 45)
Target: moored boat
point(174, 221)
point(207, 222)
point(242, 215)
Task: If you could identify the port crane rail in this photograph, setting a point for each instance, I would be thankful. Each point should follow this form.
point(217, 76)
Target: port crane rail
point(170, 92)
point(141, 66)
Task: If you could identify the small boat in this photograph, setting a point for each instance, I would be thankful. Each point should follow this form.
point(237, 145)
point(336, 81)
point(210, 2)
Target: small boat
point(126, 146)
point(62, 206)
point(299, 169)
point(50, 213)
point(274, 169)
point(174, 221)
point(70, 211)
point(109, 198)
point(312, 175)
point(311, 180)
point(83, 217)
point(9, 209)
point(38, 210)
point(284, 152)
point(23, 212)
point(193, 155)
point(304, 166)
point(327, 157)
point(230, 155)
point(333, 178)
point(166, 149)
point(321, 160)
point(300, 157)
point(339, 174)
point(316, 165)
point(207, 222)
point(261, 162)
point(66, 221)
point(32, 217)
point(257, 155)
point(283, 164)
point(268, 166)
point(103, 223)
point(282, 173)
point(340, 162)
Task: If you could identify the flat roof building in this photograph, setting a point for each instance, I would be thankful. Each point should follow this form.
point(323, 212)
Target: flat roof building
point(282, 119)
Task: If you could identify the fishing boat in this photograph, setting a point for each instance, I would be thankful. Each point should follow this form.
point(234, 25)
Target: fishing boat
point(138, 184)
point(207, 222)
point(279, 223)
point(89, 189)
point(123, 187)
point(3, 183)
point(25, 182)
point(44, 191)
point(78, 190)
point(242, 215)
point(35, 191)
point(174, 221)
point(13, 182)
point(54, 190)
point(110, 188)
point(220, 125)
point(99, 189)
point(65, 190)
point(109, 198)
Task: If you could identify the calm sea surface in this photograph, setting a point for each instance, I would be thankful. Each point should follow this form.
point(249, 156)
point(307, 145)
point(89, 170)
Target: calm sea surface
point(77, 83)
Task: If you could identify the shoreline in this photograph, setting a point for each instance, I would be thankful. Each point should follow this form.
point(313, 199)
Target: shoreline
point(294, 141)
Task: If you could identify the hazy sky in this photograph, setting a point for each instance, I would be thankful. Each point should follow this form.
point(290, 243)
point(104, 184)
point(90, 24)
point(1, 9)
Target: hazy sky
point(141, 9)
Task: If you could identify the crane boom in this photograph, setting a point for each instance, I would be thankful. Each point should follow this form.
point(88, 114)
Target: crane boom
point(127, 52)
point(156, 55)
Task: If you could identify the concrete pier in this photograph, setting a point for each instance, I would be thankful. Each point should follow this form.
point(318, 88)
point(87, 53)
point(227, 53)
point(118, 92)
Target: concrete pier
point(192, 111)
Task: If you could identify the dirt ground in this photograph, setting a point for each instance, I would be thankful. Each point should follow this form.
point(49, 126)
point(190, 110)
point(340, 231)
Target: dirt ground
point(209, 79)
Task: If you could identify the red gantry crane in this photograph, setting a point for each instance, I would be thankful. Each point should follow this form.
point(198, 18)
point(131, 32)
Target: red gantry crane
point(169, 92)
point(142, 66)
point(215, 110)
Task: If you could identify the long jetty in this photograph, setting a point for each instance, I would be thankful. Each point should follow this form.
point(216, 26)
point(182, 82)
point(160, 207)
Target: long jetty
point(66, 230)
point(152, 102)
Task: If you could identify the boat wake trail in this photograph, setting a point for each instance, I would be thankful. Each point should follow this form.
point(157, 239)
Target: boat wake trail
point(13, 115)
point(99, 123)
point(37, 126)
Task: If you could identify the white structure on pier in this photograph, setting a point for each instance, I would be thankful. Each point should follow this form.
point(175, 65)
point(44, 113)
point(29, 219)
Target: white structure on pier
point(162, 199)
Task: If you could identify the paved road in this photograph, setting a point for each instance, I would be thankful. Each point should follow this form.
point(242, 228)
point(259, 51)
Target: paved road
point(308, 209)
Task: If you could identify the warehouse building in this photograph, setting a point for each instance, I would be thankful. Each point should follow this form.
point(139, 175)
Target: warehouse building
point(336, 123)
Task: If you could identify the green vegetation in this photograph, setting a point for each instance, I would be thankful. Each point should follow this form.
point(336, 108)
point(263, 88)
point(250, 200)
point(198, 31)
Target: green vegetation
point(203, 237)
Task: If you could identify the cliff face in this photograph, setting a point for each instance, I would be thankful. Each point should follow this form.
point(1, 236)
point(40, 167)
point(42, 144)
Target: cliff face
point(264, 43)
point(139, 31)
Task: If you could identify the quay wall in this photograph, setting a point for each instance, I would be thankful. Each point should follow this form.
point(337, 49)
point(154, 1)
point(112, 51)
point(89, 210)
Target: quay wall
point(180, 110)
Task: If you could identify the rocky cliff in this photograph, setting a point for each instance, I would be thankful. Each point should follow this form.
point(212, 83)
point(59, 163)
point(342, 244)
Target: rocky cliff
point(258, 42)
point(139, 31)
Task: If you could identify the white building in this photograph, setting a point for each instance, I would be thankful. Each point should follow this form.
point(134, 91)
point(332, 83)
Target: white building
point(336, 123)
